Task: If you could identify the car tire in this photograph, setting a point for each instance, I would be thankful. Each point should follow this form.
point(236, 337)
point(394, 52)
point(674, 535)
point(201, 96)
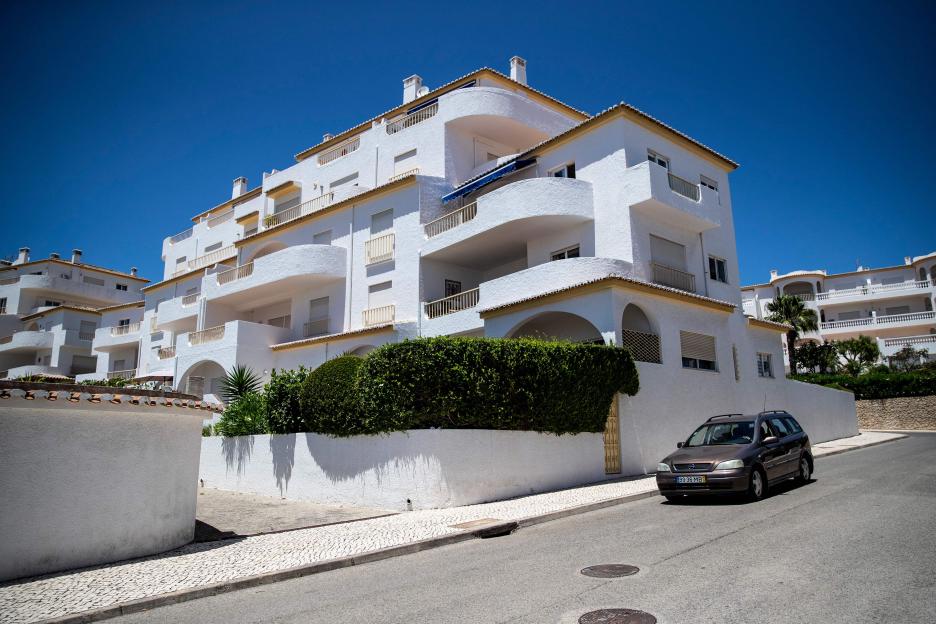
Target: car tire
point(671, 498)
point(757, 486)
point(805, 470)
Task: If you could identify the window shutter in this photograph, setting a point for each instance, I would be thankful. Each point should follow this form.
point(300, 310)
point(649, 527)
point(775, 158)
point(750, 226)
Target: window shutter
point(697, 346)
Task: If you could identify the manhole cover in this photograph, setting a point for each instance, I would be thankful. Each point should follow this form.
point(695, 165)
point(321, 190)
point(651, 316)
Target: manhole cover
point(610, 570)
point(617, 616)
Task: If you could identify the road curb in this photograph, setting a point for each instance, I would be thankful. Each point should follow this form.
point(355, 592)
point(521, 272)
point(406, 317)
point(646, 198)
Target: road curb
point(858, 448)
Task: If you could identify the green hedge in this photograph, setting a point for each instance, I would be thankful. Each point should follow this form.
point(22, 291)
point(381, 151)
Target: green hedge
point(283, 397)
point(245, 416)
point(483, 383)
point(878, 385)
point(329, 400)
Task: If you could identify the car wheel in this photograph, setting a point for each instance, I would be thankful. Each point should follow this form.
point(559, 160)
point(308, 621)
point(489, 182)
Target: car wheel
point(757, 488)
point(805, 472)
point(672, 498)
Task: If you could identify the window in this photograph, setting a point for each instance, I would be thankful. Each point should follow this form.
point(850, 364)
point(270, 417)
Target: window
point(119, 365)
point(780, 427)
point(212, 247)
point(765, 431)
point(792, 425)
point(380, 295)
point(120, 286)
point(381, 223)
point(123, 322)
point(717, 269)
point(764, 365)
point(87, 279)
point(51, 303)
point(452, 287)
point(282, 205)
point(280, 321)
point(562, 254)
point(179, 260)
point(565, 171)
point(322, 238)
point(653, 157)
point(709, 182)
point(351, 179)
point(86, 330)
point(3, 305)
point(667, 253)
point(698, 351)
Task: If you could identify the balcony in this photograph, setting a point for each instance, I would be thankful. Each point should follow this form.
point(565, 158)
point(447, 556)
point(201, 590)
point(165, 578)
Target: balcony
point(667, 198)
point(303, 209)
point(379, 249)
point(166, 353)
point(451, 304)
point(204, 336)
point(218, 219)
point(315, 327)
point(82, 291)
point(873, 291)
point(451, 220)
point(339, 152)
point(234, 342)
point(208, 259)
point(378, 316)
point(122, 374)
point(26, 341)
point(879, 322)
point(400, 176)
point(125, 330)
point(108, 338)
point(674, 278)
point(177, 313)
point(181, 236)
point(408, 121)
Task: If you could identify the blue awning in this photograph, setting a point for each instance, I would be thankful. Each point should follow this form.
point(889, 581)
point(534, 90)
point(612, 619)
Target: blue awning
point(514, 165)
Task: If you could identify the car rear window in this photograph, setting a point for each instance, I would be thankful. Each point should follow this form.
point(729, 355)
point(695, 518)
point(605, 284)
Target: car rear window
point(713, 434)
point(792, 425)
point(780, 427)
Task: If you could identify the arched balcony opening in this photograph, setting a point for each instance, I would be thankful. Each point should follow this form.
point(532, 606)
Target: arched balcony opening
point(639, 336)
point(558, 326)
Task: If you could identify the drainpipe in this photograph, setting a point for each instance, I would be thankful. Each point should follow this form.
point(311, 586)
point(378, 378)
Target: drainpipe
point(350, 296)
point(704, 268)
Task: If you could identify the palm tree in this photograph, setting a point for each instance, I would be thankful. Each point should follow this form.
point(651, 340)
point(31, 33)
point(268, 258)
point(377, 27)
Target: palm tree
point(237, 382)
point(789, 309)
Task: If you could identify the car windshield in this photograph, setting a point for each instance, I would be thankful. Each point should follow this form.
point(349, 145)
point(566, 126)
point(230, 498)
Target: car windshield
point(714, 434)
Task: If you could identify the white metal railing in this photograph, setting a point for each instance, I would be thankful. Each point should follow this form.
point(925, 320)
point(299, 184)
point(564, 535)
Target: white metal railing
point(873, 289)
point(166, 353)
point(181, 236)
point(303, 209)
point(683, 187)
point(122, 374)
point(85, 334)
point(453, 303)
point(879, 320)
point(226, 277)
point(189, 300)
point(375, 316)
point(379, 249)
point(337, 152)
point(220, 218)
point(412, 119)
point(315, 327)
point(9, 280)
point(123, 330)
point(643, 346)
point(400, 176)
point(451, 220)
point(211, 334)
point(675, 278)
point(212, 257)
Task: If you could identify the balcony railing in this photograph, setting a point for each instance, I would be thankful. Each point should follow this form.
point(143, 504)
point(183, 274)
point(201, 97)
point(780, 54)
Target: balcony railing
point(890, 319)
point(181, 236)
point(226, 277)
point(400, 176)
point(337, 152)
point(675, 278)
point(303, 209)
point(84, 334)
point(218, 219)
point(910, 341)
point(376, 316)
point(644, 347)
point(412, 119)
point(315, 327)
point(804, 296)
point(684, 187)
point(212, 334)
point(212, 257)
point(124, 330)
point(451, 220)
point(453, 303)
point(190, 300)
point(9, 280)
point(166, 353)
point(873, 289)
point(122, 374)
point(379, 249)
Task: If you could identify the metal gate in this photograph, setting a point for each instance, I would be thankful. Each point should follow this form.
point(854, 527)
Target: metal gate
point(612, 440)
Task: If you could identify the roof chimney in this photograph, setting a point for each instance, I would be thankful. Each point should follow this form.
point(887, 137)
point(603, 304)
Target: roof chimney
point(773, 273)
point(240, 187)
point(518, 70)
point(908, 260)
point(410, 86)
point(328, 136)
point(76, 256)
point(23, 256)
point(54, 256)
point(133, 271)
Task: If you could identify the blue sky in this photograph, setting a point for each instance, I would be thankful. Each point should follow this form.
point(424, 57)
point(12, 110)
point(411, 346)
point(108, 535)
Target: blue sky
point(123, 120)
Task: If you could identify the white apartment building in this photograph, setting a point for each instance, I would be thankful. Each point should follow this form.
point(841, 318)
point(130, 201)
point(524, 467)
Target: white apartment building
point(50, 310)
point(894, 305)
point(479, 208)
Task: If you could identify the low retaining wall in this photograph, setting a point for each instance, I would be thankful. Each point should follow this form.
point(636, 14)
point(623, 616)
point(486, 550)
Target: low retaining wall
point(898, 413)
point(423, 469)
point(88, 479)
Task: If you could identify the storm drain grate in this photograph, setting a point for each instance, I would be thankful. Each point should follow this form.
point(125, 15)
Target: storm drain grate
point(617, 616)
point(610, 570)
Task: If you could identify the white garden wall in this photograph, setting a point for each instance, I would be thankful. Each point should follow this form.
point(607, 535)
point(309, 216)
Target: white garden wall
point(424, 468)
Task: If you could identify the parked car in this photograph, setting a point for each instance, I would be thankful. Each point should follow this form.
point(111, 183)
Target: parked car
point(737, 454)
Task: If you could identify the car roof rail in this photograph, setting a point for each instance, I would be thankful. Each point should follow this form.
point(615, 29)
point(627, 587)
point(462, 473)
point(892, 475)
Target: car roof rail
point(723, 416)
point(773, 412)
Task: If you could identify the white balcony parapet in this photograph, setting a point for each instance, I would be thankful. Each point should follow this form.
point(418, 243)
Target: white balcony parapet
point(125, 330)
point(873, 289)
point(189, 300)
point(85, 334)
point(212, 334)
point(337, 152)
point(376, 316)
point(166, 353)
point(684, 187)
point(303, 209)
point(451, 220)
point(407, 121)
point(212, 257)
point(379, 249)
point(181, 236)
point(674, 278)
point(453, 303)
point(890, 319)
point(122, 374)
point(226, 277)
point(220, 218)
point(909, 341)
point(400, 176)
point(315, 327)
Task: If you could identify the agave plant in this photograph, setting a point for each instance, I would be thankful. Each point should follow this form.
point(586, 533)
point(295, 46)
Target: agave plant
point(238, 382)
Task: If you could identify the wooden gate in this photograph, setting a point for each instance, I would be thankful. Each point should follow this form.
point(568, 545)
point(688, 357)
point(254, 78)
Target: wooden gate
point(612, 440)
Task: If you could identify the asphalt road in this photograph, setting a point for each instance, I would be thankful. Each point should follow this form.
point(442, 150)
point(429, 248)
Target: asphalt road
point(856, 545)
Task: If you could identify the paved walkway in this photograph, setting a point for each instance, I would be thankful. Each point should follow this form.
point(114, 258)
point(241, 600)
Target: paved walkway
point(198, 565)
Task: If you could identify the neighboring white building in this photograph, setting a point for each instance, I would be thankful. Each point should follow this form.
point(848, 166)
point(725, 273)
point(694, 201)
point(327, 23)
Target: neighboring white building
point(49, 312)
point(894, 305)
point(481, 208)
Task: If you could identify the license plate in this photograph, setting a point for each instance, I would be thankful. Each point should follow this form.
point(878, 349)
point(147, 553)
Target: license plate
point(696, 479)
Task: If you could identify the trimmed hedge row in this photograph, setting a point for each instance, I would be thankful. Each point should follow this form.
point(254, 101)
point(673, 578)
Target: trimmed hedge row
point(329, 399)
point(878, 385)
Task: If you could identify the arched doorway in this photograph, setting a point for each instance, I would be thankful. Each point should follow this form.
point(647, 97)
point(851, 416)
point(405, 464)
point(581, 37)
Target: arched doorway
point(638, 335)
point(201, 379)
point(800, 289)
point(558, 326)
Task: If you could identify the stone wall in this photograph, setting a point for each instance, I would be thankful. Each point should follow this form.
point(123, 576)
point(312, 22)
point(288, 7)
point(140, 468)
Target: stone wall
point(897, 413)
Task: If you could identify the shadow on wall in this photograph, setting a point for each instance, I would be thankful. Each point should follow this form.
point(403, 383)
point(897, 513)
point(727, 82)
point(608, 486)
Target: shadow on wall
point(283, 453)
point(237, 452)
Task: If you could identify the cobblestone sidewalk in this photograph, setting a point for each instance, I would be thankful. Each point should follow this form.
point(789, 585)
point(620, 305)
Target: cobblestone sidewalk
point(203, 564)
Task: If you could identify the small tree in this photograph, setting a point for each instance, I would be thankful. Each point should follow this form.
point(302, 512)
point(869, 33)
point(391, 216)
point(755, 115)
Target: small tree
point(817, 358)
point(859, 353)
point(245, 416)
point(907, 359)
point(790, 310)
point(238, 382)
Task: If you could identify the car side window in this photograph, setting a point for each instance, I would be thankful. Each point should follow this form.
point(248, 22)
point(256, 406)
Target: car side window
point(792, 425)
point(780, 427)
point(765, 431)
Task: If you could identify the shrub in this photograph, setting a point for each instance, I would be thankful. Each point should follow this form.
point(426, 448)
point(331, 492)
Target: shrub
point(879, 385)
point(329, 400)
point(206, 431)
point(478, 383)
point(245, 416)
point(237, 383)
point(283, 394)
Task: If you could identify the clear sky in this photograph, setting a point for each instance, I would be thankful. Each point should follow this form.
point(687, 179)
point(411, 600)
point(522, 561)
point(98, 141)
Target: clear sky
point(122, 120)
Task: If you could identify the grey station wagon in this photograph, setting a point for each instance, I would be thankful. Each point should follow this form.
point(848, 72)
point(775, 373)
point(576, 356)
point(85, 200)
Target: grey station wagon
point(737, 454)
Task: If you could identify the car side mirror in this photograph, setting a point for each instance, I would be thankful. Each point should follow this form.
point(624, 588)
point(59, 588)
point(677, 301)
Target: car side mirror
point(679, 445)
point(770, 440)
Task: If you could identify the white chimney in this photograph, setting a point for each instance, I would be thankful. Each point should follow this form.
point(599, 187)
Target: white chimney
point(773, 273)
point(518, 70)
point(54, 256)
point(239, 188)
point(23, 256)
point(76, 256)
point(328, 136)
point(133, 271)
point(411, 86)
point(908, 260)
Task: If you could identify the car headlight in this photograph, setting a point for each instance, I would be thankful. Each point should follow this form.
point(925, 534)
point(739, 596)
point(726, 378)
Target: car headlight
point(661, 467)
point(731, 464)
